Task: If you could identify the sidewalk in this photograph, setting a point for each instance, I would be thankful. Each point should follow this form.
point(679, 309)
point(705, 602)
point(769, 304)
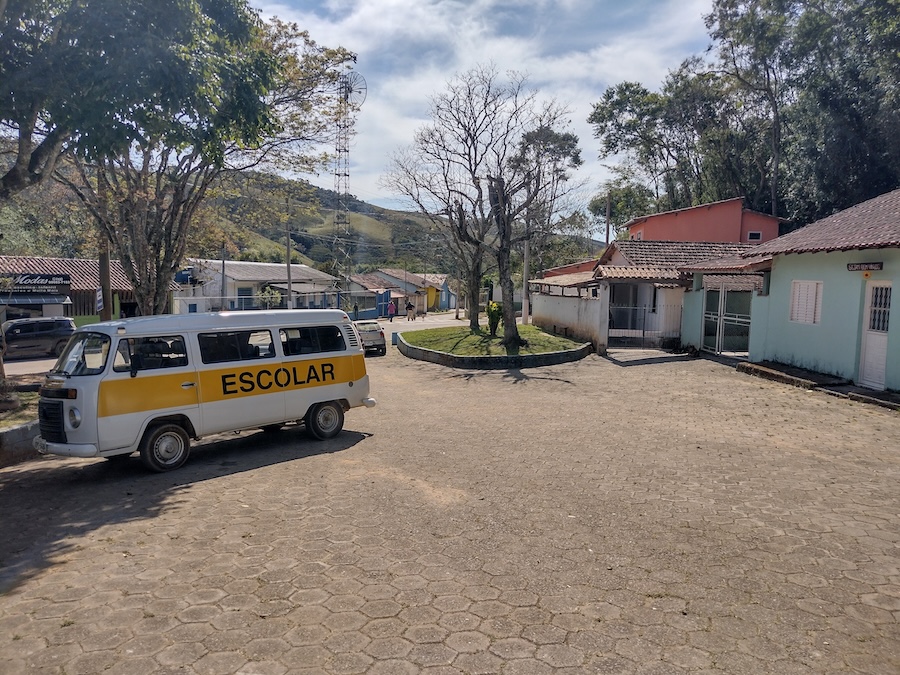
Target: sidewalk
point(808, 379)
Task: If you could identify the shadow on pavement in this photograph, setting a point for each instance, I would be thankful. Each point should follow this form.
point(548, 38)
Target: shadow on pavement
point(48, 503)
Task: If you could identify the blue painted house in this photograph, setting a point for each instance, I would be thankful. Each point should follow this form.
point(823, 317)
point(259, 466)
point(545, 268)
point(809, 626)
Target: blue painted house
point(825, 299)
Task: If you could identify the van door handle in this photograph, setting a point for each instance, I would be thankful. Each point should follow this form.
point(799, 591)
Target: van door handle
point(188, 385)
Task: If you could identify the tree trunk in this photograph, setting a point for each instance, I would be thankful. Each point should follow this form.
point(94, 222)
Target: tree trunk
point(473, 291)
point(511, 339)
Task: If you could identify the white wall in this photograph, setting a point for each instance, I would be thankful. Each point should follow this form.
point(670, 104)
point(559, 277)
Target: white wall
point(586, 318)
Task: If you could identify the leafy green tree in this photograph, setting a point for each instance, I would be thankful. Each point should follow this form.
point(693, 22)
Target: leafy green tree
point(250, 114)
point(627, 200)
point(95, 76)
point(753, 37)
point(845, 142)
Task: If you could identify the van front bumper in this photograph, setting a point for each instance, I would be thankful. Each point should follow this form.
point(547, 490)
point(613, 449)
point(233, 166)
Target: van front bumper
point(65, 449)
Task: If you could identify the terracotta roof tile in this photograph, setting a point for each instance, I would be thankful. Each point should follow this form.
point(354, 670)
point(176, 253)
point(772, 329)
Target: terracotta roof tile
point(671, 254)
point(733, 263)
point(637, 272)
point(84, 273)
point(871, 224)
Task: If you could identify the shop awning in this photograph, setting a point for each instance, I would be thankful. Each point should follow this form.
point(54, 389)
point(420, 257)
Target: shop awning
point(33, 299)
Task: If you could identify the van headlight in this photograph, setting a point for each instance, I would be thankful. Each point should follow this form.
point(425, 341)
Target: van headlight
point(74, 418)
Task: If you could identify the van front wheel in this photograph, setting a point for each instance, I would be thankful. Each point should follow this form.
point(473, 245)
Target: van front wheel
point(325, 420)
point(165, 447)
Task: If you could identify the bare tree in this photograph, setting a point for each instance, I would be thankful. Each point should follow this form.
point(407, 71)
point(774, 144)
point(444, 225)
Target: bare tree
point(488, 161)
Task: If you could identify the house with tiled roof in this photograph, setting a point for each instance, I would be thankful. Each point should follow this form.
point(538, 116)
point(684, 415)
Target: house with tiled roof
point(37, 286)
point(639, 285)
point(826, 299)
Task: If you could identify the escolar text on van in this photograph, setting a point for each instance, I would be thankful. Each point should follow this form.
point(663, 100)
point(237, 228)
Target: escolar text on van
point(150, 384)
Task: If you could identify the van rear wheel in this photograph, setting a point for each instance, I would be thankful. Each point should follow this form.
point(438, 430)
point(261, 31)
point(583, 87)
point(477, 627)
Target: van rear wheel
point(325, 420)
point(165, 447)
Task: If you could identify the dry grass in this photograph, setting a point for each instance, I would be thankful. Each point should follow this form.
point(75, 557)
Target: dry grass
point(28, 400)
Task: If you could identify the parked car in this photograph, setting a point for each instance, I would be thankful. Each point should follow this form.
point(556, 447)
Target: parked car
point(44, 336)
point(372, 335)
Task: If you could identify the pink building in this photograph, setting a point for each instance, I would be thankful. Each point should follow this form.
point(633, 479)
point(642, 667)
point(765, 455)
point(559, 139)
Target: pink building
point(725, 222)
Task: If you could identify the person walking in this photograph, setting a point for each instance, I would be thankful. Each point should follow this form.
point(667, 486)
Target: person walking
point(410, 311)
point(392, 309)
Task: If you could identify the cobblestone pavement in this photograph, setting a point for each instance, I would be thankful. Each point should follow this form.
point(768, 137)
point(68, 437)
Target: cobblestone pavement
point(641, 514)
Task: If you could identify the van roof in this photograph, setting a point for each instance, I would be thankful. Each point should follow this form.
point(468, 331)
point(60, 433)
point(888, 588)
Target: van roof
point(141, 325)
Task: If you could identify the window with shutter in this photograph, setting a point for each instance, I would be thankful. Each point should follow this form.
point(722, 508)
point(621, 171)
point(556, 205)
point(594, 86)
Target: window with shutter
point(806, 301)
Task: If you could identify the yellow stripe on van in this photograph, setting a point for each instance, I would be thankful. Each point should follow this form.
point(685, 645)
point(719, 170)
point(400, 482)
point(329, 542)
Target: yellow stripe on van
point(145, 392)
point(242, 379)
point(148, 392)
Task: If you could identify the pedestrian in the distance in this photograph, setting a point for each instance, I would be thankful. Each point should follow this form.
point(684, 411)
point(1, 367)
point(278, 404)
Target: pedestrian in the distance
point(392, 309)
point(410, 312)
point(355, 311)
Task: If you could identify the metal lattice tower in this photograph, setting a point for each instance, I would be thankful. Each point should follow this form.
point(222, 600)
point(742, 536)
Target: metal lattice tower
point(351, 94)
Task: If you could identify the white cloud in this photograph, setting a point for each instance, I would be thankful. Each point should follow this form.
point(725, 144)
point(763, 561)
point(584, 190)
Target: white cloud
point(571, 50)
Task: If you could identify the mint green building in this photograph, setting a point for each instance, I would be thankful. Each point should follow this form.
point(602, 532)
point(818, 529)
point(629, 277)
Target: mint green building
point(824, 298)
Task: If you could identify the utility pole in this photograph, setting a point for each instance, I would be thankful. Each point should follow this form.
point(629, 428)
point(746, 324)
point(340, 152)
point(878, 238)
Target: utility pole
point(287, 226)
point(223, 307)
point(105, 286)
point(608, 212)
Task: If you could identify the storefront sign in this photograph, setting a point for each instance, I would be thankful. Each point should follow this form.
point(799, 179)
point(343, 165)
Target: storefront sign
point(865, 267)
point(54, 284)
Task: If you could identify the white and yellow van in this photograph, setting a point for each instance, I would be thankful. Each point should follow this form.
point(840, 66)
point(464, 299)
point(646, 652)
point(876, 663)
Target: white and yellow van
point(150, 384)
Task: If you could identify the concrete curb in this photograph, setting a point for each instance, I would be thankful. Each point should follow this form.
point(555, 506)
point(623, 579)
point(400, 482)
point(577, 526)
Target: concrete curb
point(834, 386)
point(16, 444)
point(492, 362)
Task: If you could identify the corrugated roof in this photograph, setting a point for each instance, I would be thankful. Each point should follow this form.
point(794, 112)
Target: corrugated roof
point(403, 275)
point(372, 282)
point(240, 270)
point(871, 224)
point(566, 280)
point(84, 273)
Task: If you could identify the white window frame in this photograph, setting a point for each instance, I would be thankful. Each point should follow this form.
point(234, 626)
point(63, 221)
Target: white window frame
point(754, 235)
point(806, 301)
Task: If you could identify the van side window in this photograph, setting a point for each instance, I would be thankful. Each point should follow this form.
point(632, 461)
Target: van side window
point(150, 353)
point(312, 340)
point(239, 345)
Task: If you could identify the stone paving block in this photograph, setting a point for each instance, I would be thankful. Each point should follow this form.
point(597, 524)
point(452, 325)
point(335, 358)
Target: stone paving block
point(672, 516)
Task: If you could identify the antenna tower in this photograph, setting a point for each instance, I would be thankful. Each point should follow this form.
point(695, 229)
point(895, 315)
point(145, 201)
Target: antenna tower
point(351, 88)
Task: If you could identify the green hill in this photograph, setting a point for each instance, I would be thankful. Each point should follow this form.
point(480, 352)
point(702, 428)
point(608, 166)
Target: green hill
point(247, 217)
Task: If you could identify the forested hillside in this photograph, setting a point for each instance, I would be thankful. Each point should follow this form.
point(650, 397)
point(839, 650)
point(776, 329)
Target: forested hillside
point(248, 215)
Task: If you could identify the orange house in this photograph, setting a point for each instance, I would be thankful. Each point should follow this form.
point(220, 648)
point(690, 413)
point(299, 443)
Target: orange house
point(724, 222)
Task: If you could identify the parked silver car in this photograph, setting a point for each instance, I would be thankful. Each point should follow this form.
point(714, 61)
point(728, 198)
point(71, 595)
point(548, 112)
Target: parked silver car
point(372, 335)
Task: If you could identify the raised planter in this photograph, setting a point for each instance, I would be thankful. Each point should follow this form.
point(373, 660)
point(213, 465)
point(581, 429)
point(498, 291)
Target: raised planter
point(503, 362)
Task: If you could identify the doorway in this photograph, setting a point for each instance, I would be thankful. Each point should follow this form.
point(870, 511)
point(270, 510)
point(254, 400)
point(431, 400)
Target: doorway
point(873, 352)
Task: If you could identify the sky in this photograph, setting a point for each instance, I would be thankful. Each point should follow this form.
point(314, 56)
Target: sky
point(570, 50)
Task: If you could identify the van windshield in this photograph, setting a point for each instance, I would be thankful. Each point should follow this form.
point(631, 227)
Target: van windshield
point(85, 354)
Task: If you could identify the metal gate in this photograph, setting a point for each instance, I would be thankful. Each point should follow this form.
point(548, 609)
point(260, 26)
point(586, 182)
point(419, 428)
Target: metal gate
point(726, 322)
point(645, 326)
